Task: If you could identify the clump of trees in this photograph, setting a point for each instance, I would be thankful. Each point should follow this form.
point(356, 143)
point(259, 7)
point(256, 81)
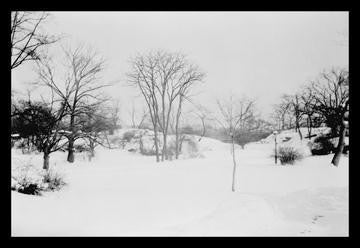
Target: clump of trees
point(41, 125)
point(164, 80)
point(75, 108)
point(324, 101)
point(77, 85)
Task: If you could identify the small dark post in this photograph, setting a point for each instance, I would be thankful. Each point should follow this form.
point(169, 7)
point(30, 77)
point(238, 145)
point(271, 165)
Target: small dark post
point(275, 133)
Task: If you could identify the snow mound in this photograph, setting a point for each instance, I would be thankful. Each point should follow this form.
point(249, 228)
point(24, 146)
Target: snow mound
point(142, 141)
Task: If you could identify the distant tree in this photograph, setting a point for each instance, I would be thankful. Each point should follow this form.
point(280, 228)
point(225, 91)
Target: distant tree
point(205, 116)
point(138, 117)
point(26, 37)
point(254, 130)
point(307, 102)
point(114, 118)
point(95, 124)
point(282, 113)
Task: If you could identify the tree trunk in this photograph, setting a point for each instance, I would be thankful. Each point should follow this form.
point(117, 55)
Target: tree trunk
point(340, 147)
point(298, 128)
point(177, 140)
point(156, 144)
point(309, 124)
point(234, 169)
point(46, 161)
point(71, 156)
point(177, 144)
point(92, 150)
point(164, 154)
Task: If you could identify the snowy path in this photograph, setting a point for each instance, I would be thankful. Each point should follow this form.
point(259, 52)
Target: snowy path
point(123, 194)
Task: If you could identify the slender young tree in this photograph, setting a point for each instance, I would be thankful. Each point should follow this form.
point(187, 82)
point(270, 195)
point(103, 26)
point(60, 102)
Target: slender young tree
point(233, 115)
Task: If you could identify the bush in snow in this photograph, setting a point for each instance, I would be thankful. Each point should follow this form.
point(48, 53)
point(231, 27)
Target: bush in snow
point(28, 179)
point(289, 154)
point(53, 180)
point(322, 145)
point(146, 146)
point(189, 147)
point(128, 136)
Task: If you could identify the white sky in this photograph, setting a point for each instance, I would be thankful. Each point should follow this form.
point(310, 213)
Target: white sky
point(259, 54)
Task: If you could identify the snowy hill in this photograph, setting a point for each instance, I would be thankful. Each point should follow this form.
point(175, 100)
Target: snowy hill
point(122, 193)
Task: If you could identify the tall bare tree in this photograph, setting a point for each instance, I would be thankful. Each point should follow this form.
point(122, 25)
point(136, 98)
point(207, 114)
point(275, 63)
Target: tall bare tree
point(162, 77)
point(78, 86)
point(27, 38)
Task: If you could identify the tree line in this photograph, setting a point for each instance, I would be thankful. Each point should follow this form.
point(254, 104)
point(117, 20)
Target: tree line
point(321, 102)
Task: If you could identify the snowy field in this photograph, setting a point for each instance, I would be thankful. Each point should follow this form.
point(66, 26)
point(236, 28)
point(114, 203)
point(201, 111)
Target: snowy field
point(120, 193)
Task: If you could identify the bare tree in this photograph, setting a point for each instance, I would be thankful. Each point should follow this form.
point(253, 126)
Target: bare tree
point(192, 75)
point(307, 101)
point(162, 78)
point(143, 75)
point(233, 115)
point(282, 113)
point(204, 115)
point(95, 124)
point(295, 108)
point(78, 87)
point(114, 118)
point(26, 37)
point(41, 123)
point(138, 117)
point(331, 92)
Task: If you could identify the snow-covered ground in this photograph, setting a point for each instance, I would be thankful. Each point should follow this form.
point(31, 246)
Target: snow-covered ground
point(120, 193)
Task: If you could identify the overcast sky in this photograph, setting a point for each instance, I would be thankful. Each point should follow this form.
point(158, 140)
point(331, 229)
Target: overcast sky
point(259, 54)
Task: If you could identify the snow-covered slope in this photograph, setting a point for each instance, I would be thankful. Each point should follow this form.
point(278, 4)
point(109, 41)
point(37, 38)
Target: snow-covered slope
point(120, 193)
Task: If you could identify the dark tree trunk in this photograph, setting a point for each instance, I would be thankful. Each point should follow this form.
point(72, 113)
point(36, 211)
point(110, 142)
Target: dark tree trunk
point(71, 156)
point(309, 126)
point(340, 147)
point(46, 161)
point(300, 134)
point(156, 144)
point(177, 146)
point(164, 154)
point(92, 149)
point(71, 149)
